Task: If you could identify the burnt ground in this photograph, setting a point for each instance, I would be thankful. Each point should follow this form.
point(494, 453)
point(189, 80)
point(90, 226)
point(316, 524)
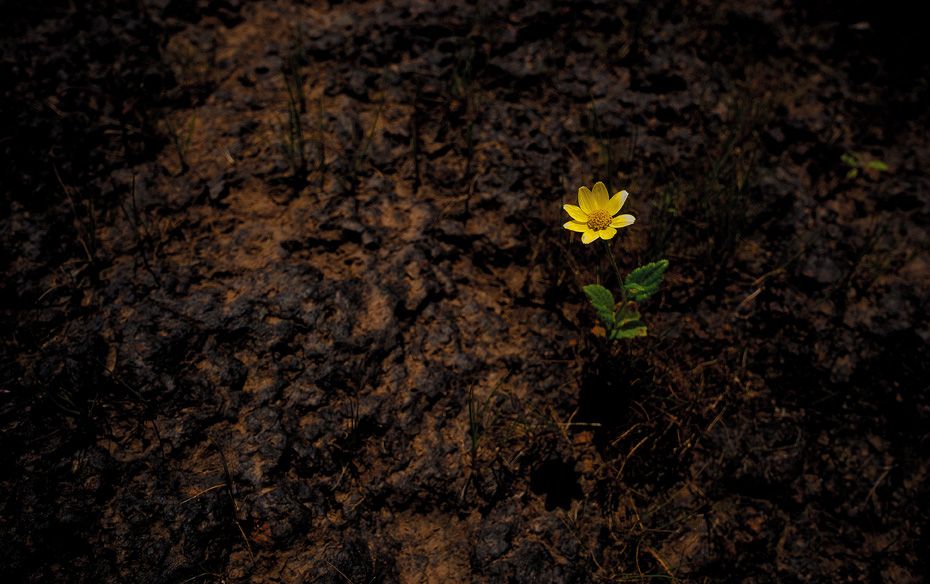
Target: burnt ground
point(286, 296)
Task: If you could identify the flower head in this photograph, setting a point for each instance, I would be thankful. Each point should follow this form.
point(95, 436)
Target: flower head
point(593, 217)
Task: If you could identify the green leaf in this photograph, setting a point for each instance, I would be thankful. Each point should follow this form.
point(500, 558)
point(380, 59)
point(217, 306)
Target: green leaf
point(628, 325)
point(853, 173)
point(644, 281)
point(850, 160)
point(877, 165)
point(602, 301)
point(630, 330)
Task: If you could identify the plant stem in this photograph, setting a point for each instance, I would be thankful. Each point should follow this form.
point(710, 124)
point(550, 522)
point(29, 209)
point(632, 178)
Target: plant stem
point(613, 262)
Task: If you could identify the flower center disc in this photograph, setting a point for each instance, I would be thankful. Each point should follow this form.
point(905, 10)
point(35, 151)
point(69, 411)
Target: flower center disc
point(599, 219)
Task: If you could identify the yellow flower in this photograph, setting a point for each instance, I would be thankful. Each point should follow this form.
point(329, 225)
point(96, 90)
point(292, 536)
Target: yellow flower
point(593, 217)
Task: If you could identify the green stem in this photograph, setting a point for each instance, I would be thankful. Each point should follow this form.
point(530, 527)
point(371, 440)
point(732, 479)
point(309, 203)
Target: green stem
point(613, 262)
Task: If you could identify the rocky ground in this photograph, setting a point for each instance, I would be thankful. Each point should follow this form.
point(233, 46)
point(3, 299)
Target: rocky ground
point(286, 296)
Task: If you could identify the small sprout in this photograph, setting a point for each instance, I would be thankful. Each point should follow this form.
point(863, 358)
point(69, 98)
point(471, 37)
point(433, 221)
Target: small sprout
point(856, 163)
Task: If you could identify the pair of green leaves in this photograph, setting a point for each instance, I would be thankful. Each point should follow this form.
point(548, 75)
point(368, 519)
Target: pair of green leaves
point(855, 163)
point(624, 322)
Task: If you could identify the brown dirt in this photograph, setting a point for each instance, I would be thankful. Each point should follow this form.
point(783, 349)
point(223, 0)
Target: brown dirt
point(217, 368)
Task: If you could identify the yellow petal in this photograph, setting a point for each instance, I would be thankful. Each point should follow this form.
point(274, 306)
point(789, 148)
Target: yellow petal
point(607, 233)
point(616, 202)
point(586, 200)
point(622, 221)
point(576, 213)
point(600, 195)
point(576, 226)
point(588, 236)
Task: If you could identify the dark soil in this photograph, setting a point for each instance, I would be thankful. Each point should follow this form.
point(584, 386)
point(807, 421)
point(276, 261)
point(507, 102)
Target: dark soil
point(286, 295)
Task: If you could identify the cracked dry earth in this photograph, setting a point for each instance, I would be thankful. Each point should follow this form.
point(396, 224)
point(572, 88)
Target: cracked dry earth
point(224, 366)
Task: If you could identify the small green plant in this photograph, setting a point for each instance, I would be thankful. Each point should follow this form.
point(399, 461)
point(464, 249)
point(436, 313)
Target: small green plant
point(595, 217)
point(622, 320)
point(856, 163)
point(482, 415)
